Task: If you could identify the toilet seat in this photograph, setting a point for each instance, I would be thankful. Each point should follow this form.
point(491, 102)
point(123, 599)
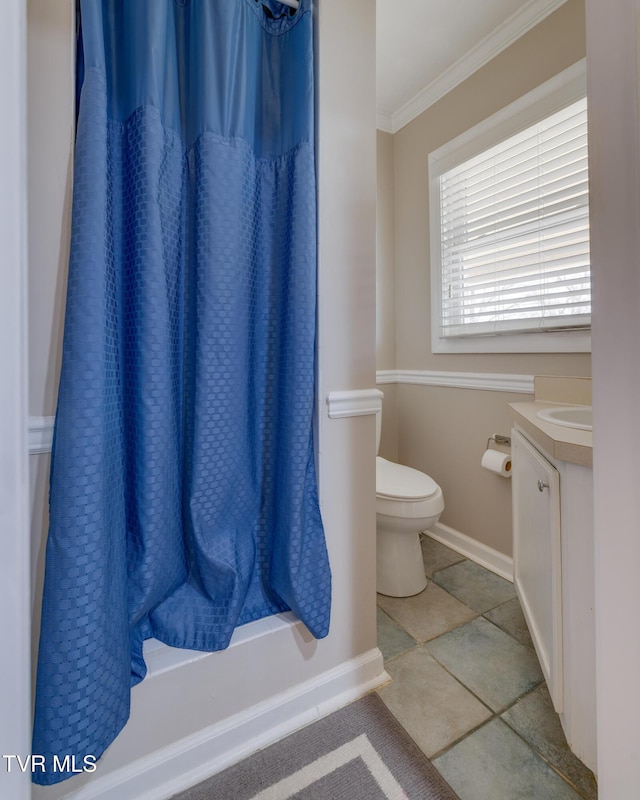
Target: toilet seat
point(397, 482)
point(406, 492)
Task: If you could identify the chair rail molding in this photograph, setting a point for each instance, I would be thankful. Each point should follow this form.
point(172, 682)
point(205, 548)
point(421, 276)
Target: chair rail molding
point(354, 403)
point(40, 434)
point(487, 381)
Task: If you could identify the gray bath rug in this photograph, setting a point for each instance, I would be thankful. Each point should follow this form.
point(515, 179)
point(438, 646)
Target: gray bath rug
point(357, 753)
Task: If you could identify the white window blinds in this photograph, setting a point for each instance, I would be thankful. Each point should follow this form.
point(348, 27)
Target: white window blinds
point(514, 233)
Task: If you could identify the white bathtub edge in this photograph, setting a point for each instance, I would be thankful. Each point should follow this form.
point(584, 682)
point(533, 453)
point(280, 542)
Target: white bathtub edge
point(188, 761)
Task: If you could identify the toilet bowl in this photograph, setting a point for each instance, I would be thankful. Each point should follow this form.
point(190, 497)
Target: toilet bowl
point(407, 502)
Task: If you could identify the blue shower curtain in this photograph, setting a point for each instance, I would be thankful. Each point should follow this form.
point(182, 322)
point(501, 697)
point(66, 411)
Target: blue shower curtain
point(183, 493)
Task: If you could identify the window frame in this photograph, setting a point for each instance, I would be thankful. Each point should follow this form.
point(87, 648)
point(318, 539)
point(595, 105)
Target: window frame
point(562, 90)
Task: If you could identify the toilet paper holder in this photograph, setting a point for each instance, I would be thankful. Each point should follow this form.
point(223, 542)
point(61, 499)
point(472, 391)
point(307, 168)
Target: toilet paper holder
point(498, 438)
point(496, 460)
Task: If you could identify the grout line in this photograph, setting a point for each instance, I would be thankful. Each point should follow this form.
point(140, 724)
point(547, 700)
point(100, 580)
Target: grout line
point(464, 686)
point(464, 736)
point(404, 652)
point(534, 749)
point(493, 714)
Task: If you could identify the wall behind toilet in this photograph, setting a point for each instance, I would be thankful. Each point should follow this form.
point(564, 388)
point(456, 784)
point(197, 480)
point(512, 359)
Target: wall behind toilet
point(442, 430)
point(386, 291)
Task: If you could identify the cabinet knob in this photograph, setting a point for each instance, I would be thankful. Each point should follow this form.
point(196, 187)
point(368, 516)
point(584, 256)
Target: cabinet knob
point(542, 485)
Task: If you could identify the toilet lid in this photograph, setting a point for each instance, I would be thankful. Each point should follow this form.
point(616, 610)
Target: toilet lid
point(400, 482)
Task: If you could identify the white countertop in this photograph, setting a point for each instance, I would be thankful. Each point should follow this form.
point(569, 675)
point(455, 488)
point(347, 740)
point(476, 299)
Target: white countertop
point(562, 443)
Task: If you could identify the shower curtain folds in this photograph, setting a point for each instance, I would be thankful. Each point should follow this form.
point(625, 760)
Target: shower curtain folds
point(183, 497)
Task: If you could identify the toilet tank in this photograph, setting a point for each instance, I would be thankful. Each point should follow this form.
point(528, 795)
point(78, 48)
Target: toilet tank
point(378, 429)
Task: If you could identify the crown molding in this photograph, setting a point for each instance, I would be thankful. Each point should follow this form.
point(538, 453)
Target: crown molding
point(384, 122)
point(512, 29)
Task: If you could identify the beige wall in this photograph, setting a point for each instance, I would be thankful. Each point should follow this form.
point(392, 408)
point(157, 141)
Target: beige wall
point(386, 289)
point(50, 131)
point(444, 431)
point(389, 438)
point(50, 108)
point(385, 256)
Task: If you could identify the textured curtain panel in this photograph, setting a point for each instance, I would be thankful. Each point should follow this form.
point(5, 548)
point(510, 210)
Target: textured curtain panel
point(183, 491)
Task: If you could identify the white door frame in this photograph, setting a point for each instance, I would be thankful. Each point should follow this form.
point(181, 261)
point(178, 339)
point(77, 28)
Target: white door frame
point(613, 86)
point(15, 678)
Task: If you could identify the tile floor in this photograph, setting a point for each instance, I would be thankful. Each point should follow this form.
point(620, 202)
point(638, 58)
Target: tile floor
point(467, 686)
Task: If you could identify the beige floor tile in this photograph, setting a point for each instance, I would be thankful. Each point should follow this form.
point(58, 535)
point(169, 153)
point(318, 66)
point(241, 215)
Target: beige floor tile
point(431, 705)
point(428, 614)
point(475, 586)
point(492, 664)
point(436, 555)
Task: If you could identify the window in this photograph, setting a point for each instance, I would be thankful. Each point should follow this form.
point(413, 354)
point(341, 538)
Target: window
point(510, 228)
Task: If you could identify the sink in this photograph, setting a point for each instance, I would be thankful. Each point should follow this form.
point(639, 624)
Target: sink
point(568, 416)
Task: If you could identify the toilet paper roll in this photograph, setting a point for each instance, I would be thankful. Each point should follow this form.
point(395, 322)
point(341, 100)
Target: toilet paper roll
point(498, 462)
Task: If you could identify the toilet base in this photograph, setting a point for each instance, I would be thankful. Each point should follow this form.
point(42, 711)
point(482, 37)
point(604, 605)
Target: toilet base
point(399, 563)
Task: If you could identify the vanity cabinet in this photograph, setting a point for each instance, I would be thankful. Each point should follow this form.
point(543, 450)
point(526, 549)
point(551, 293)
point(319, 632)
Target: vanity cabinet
point(537, 556)
point(554, 579)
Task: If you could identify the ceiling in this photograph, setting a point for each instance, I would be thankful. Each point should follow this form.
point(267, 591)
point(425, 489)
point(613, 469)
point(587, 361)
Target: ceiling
point(427, 47)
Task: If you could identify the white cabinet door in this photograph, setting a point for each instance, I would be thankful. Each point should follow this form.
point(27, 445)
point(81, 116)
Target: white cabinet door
point(537, 556)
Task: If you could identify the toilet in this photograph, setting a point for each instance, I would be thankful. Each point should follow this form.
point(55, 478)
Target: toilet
point(407, 502)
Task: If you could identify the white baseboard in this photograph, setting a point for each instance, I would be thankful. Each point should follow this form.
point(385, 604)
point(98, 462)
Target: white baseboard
point(475, 551)
point(189, 761)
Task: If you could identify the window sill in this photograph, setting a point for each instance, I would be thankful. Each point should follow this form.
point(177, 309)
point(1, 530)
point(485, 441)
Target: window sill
point(560, 342)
